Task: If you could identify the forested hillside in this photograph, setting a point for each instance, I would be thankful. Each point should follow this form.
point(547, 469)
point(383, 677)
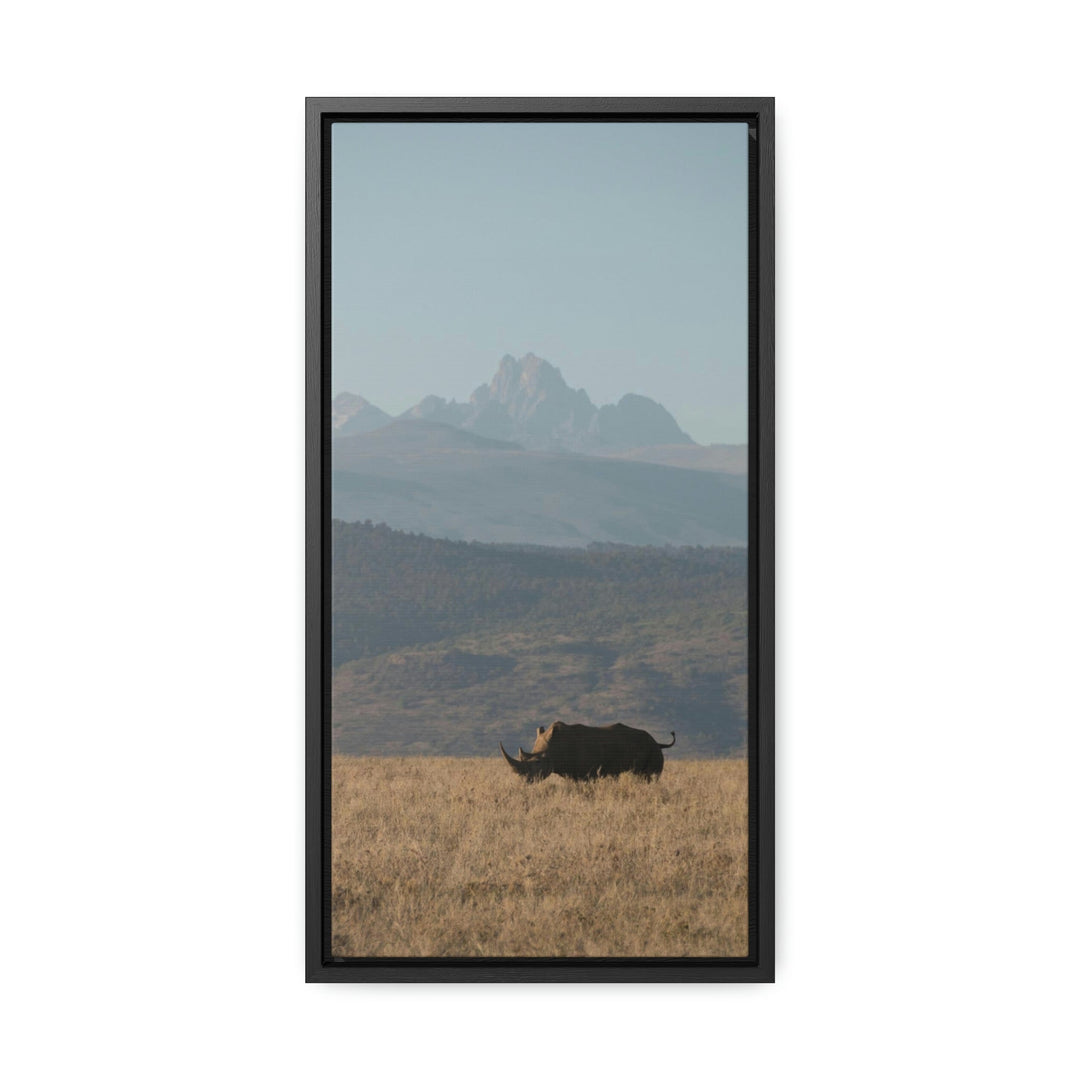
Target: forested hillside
point(449, 647)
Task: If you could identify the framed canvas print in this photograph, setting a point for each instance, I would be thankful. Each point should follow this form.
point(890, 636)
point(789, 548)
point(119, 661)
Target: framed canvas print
point(540, 539)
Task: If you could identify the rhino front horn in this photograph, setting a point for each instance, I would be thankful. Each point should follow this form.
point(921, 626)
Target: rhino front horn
point(517, 766)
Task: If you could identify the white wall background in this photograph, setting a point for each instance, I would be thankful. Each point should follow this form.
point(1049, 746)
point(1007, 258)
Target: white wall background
point(151, 432)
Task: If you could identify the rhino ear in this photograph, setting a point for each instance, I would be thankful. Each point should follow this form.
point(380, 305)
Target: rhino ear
point(539, 732)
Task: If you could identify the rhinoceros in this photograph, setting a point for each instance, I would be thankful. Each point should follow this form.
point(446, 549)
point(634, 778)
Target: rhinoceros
point(580, 752)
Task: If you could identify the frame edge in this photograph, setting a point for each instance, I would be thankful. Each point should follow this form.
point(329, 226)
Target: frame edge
point(761, 109)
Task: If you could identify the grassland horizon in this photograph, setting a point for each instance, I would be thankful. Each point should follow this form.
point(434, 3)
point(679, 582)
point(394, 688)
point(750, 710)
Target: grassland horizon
point(458, 857)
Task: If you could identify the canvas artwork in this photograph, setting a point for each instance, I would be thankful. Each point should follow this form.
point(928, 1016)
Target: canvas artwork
point(538, 416)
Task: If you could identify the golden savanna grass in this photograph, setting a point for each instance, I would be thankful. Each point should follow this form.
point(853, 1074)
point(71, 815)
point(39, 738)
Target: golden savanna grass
point(459, 857)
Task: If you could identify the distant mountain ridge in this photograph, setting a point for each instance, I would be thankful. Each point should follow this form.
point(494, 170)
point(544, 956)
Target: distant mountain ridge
point(528, 402)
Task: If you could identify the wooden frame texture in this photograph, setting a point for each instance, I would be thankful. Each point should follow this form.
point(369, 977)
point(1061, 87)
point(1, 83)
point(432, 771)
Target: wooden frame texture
point(759, 966)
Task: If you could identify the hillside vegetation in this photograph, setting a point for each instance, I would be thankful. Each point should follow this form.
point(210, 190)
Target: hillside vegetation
point(451, 857)
point(444, 647)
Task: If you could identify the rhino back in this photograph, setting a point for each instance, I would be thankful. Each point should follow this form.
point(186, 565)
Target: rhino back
point(579, 751)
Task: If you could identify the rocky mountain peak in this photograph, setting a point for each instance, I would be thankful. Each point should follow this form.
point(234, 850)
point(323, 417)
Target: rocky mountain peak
point(528, 377)
point(637, 421)
point(426, 407)
point(350, 414)
point(529, 402)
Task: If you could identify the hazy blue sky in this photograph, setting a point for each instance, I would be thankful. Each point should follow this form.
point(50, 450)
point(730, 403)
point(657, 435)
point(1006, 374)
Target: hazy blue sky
point(616, 251)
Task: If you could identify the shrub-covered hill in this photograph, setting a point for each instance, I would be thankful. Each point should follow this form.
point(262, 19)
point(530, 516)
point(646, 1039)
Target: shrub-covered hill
point(449, 647)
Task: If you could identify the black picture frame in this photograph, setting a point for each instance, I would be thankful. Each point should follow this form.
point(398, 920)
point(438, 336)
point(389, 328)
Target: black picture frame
point(759, 965)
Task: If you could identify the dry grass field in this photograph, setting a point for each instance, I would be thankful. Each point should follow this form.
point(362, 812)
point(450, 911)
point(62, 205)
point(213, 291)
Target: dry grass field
point(458, 857)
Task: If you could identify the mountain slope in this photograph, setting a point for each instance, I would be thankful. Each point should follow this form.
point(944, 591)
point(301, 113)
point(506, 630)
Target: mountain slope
point(718, 457)
point(403, 436)
point(434, 479)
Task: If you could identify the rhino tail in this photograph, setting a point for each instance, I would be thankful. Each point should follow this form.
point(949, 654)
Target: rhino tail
point(665, 745)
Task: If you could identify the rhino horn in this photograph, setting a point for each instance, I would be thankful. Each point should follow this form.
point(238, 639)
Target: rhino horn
point(517, 766)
